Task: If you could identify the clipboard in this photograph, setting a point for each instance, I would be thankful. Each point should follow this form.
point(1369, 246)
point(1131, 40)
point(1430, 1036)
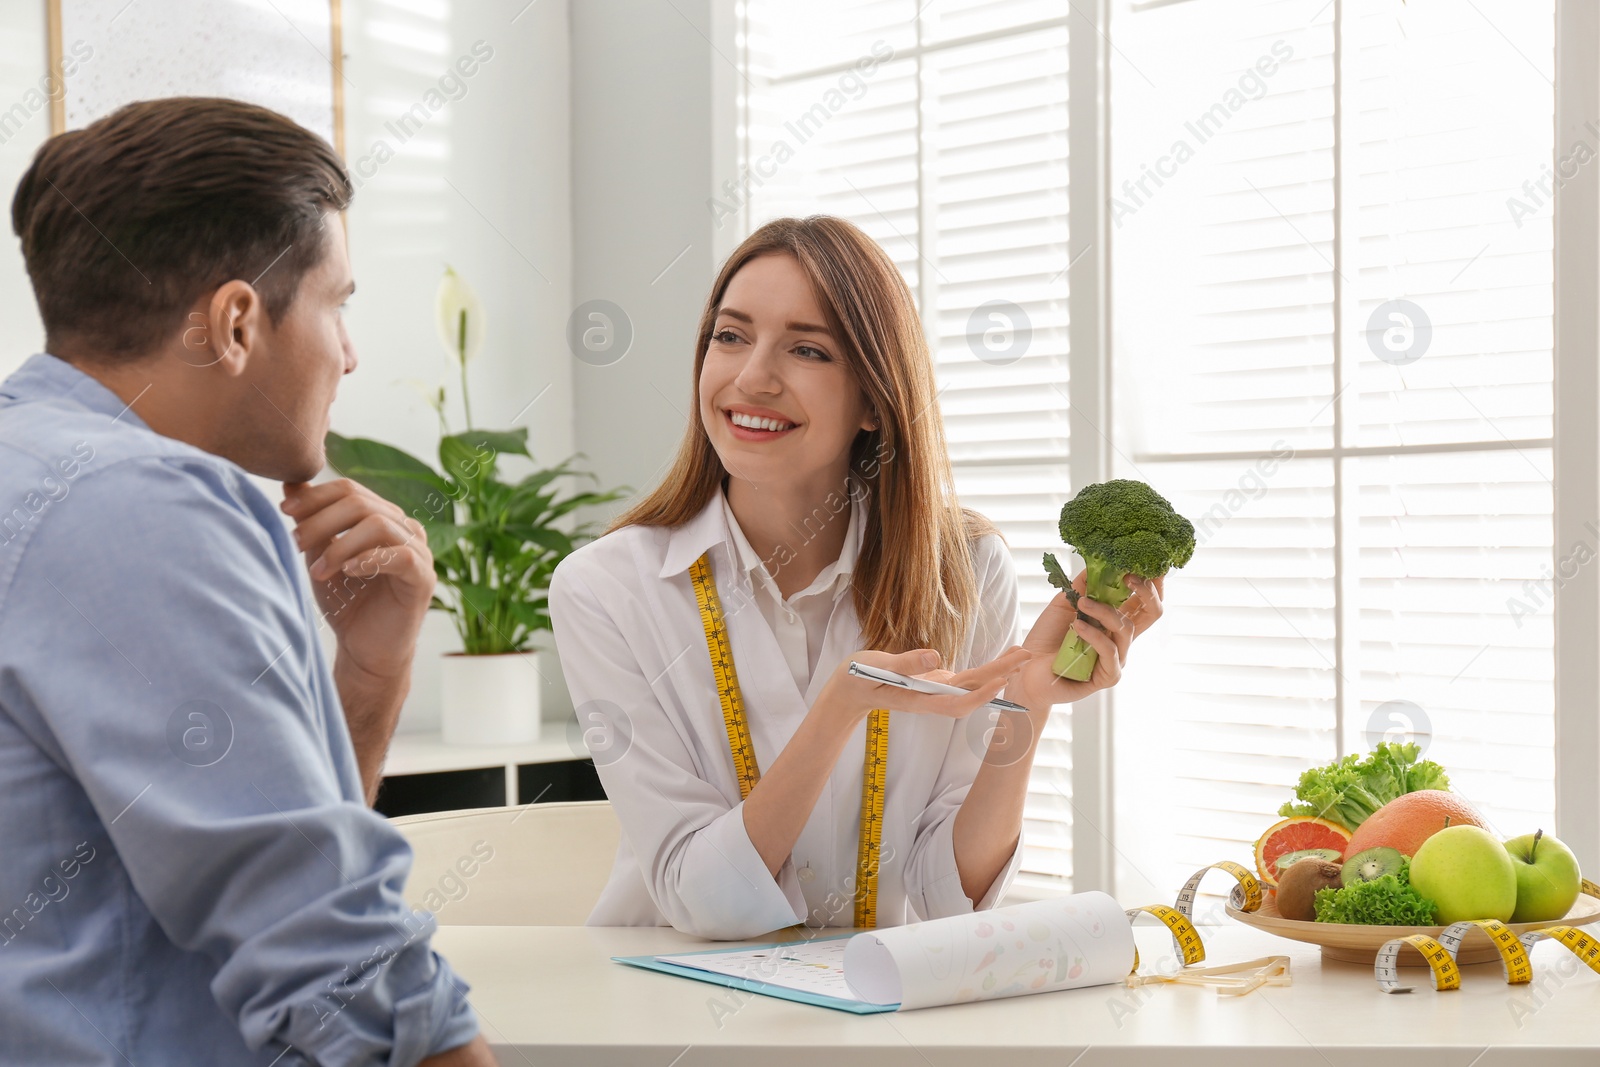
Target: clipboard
point(750, 985)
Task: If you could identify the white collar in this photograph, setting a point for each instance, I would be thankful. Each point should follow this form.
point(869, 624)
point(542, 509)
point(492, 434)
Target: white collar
point(839, 570)
point(715, 525)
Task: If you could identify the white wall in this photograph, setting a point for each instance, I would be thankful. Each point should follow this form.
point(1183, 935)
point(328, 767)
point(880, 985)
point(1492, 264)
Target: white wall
point(22, 64)
point(643, 162)
point(485, 186)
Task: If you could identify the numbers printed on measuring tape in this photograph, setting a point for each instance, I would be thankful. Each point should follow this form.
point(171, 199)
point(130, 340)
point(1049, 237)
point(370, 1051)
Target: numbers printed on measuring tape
point(1446, 974)
point(1581, 943)
point(1441, 955)
point(721, 653)
point(1185, 938)
point(1179, 919)
point(1246, 895)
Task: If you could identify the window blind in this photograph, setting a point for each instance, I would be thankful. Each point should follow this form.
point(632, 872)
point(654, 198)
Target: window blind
point(1370, 507)
point(950, 150)
point(1374, 514)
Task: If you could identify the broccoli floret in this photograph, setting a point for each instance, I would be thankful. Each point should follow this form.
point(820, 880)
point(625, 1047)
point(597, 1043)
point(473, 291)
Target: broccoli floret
point(1119, 527)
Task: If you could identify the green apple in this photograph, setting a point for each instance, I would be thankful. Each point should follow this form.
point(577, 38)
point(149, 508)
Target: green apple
point(1547, 877)
point(1468, 873)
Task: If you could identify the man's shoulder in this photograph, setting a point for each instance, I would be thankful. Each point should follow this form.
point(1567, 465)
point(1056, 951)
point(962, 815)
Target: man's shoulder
point(69, 475)
point(46, 447)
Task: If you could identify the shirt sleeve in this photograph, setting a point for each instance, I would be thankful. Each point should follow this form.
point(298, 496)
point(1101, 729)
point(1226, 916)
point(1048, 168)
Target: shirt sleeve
point(697, 860)
point(933, 882)
point(179, 680)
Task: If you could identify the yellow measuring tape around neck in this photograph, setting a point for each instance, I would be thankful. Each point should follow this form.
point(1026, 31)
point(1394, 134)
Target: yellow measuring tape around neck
point(874, 766)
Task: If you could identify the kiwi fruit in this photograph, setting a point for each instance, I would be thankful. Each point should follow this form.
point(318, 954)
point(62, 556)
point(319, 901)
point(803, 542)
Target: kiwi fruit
point(1289, 859)
point(1370, 864)
point(1297, 887)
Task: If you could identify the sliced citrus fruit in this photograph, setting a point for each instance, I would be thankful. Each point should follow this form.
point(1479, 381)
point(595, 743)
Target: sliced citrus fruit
point(1297, 834)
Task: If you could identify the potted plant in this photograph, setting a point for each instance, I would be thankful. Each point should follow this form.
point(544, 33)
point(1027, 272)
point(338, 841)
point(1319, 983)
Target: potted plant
point(495, 543)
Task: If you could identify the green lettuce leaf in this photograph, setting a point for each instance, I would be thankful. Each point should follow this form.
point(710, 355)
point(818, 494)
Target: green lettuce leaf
point(1350, 789)
point(1386, 901)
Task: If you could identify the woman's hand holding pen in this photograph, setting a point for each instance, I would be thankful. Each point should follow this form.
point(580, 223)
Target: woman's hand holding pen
point(1022, 673)
point(852, 697)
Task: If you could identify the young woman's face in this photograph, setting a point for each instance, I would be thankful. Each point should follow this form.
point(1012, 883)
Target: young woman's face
point(771, 361)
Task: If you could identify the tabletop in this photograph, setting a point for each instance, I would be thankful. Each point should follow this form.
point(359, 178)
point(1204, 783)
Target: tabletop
point(551, 995)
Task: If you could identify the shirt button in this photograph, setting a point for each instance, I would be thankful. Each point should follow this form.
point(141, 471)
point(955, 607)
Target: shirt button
point(806, 873)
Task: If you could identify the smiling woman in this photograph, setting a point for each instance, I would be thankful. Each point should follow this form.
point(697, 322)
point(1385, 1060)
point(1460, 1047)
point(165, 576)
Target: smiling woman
point(813, 483)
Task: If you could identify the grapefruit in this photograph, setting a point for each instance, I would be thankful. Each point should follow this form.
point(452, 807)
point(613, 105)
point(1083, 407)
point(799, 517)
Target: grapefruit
point(1410, 819)
point(1298, 834)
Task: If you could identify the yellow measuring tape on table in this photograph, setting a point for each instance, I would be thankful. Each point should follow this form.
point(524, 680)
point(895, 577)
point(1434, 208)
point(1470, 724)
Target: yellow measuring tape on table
point(1440, 953)
point(874, 764)
point(1179, 918)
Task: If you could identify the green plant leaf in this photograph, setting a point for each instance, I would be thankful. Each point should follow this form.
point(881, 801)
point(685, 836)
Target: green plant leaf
point(579, 500)
point(443, 537)
point(399, 478)
point(543, 536)
point(531, 613)
point(477, 599)
point(449, 564)
point(509, 442)
point(539, 479)
point(529, 509)
point(463, 462)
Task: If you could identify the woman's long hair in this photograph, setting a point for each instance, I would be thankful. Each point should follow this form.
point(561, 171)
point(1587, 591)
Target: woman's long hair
point(924, 594)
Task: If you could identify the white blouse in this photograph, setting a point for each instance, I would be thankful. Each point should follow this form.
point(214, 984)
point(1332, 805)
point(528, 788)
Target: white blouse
point(633, 651)
point(800, 621)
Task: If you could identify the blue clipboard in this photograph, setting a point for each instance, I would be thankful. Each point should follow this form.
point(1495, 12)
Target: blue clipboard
point(750, 985)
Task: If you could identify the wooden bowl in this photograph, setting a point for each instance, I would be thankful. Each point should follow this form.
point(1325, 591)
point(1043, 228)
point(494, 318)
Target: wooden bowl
point(1353, 943)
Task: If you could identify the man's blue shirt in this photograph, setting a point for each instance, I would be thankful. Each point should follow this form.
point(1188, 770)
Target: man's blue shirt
point(188, 871)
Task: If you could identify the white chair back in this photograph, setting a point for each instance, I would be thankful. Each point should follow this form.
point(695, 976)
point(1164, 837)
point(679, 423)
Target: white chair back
point(531, 865)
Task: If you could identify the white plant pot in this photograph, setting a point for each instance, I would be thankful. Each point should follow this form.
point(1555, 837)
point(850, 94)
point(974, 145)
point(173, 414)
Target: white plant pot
point(489, 700)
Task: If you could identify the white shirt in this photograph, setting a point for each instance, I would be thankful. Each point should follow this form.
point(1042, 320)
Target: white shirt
point(800, 622)
point(633, 651)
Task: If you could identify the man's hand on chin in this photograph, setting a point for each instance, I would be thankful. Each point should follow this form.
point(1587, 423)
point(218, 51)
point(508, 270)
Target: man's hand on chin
point(373, 576)
point(370, 566)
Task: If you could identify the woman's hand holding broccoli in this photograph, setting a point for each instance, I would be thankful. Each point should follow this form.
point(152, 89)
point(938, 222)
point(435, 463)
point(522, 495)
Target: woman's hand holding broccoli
point(1122, 529)
point(1037, 686)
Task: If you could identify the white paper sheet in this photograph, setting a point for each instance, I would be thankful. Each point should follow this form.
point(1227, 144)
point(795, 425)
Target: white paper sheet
point(1081, 940)
point(1044, 945)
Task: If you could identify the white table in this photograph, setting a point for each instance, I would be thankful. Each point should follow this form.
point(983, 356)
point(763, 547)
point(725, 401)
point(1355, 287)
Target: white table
point(551, 995)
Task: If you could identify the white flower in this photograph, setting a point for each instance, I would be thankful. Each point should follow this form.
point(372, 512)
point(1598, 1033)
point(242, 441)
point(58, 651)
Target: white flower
point(460, 315)
point(433, 394)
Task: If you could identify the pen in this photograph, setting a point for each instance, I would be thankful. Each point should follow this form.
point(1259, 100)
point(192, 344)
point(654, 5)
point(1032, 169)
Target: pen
point(923, 685)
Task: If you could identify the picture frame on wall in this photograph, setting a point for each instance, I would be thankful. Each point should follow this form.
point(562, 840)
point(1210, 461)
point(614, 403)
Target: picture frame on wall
point(286, 55)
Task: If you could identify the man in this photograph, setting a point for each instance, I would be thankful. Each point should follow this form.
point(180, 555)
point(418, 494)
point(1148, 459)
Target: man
point(190, 872)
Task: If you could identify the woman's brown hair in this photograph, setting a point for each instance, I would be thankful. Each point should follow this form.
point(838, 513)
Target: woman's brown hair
point(904, 461)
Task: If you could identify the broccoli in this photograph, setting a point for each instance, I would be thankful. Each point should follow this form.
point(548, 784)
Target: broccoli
point(1119, 527)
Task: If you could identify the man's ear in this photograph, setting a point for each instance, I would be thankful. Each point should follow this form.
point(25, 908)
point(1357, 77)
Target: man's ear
point(223, 330)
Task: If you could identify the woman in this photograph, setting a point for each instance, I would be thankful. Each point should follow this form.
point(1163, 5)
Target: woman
point(809, 520)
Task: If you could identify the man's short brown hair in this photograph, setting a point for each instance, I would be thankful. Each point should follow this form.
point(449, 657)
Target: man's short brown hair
point(127, 222)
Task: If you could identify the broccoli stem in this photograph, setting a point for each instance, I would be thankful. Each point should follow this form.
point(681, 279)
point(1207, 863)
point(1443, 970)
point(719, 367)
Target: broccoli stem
point(1102, 582)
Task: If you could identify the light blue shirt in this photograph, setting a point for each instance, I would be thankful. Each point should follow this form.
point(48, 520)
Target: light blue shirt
point(188, 871)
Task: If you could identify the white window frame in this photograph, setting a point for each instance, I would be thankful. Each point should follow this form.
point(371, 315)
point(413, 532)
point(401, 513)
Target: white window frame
point(1575, 440)
point(1577, 435)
